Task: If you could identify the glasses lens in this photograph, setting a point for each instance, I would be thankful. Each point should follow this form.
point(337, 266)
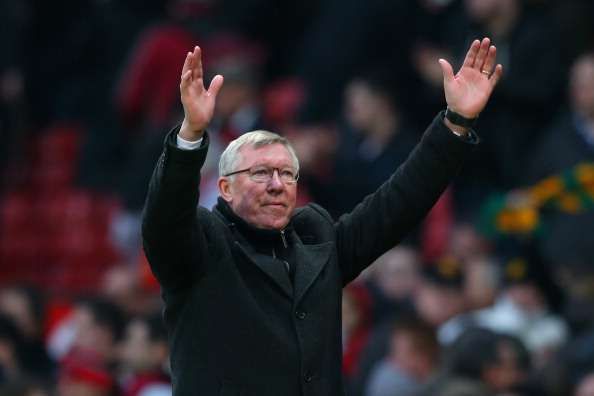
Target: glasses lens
point(261, 174)
point(288, 176)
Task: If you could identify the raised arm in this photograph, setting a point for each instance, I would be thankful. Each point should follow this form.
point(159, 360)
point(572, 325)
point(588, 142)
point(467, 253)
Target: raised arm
point(386, 216)
point(198, 102)
point(173, 240)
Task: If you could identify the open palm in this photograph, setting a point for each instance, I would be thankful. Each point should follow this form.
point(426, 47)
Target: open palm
point(468, 91)
point(198, 102)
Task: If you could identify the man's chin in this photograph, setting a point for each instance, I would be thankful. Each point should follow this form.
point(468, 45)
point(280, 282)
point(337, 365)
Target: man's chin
point(273, 223)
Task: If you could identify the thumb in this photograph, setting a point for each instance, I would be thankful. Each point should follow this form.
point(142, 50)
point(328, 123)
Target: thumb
point(215, 85)
point(447, 71)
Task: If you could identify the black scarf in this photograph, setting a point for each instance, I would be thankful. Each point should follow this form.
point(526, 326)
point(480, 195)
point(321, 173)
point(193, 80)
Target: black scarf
point(275, 243)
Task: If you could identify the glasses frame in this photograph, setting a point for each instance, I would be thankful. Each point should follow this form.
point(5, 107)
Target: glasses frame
point(278, 171)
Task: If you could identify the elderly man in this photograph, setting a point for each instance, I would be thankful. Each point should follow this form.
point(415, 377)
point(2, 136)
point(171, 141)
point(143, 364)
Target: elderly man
point(252, 289)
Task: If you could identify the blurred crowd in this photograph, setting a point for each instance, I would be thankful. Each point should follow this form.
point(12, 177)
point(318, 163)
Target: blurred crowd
point(493, 294)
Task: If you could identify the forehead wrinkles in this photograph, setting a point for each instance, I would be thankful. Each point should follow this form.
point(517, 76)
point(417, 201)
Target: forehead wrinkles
point(273, 155)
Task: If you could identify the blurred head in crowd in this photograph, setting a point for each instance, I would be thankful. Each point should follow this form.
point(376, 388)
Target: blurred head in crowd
point(527, 280)
point(521, 286)
point(24, 305)
point(486, 11)
point(441, 295)
point(144, 347)
point(581, 83)
point(122, 285)
point(240, 61)
point(98, 325)
point(500, 361)
point(466, 243)
point(371, 107)
point(586, 386)
point(414, 349)
point(396, 273)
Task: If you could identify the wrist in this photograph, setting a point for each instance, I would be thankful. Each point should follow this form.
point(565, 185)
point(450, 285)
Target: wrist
point(189, 132)
point(456, 129)
point(458, 123)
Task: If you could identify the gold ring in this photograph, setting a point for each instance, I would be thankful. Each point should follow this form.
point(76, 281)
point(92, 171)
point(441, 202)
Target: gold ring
point(485, 72)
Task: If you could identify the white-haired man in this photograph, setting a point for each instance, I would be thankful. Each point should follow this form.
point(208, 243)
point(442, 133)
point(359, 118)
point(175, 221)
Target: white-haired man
point(252, 289)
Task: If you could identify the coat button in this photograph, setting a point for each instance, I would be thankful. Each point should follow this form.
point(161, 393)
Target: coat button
point(300, 315)
point(308, 377)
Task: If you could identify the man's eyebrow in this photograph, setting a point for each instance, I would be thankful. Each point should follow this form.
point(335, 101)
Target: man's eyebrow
point(270, 166)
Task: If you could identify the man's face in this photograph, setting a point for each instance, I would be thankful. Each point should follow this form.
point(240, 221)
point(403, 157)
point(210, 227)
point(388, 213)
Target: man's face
point(264, 205)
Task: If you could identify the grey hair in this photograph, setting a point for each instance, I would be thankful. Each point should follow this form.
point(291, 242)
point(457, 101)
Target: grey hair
point(255, 139)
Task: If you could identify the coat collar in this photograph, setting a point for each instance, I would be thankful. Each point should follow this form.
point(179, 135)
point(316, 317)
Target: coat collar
point(270, 266)
point(255, 235)
point(310, 260)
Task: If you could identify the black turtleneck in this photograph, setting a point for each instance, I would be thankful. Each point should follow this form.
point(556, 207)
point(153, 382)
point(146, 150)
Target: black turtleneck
point(273, 243)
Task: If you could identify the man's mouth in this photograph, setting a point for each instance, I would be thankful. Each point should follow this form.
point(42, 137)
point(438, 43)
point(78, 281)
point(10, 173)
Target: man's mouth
point(276, 204)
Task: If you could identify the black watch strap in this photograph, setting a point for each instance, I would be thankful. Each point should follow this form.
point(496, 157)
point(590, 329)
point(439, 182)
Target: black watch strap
point(460, 120)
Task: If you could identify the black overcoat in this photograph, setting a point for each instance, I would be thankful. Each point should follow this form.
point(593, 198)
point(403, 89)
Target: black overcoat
point(237, 325)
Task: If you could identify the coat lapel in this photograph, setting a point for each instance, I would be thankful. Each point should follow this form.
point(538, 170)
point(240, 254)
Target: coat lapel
point(273, 268)
point(311, 260)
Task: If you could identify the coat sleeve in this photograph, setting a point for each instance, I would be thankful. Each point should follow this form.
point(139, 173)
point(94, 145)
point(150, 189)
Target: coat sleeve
point(173, 239)
point(383, 218)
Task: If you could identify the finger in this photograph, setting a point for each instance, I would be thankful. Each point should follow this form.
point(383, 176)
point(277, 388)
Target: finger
point(197, 69)
point(447, 71)
point(490, 60)
point(482, 54)
point(186, 80)
point(496, 75)
point(471, 54)
point(215, 85)
point(187, 64)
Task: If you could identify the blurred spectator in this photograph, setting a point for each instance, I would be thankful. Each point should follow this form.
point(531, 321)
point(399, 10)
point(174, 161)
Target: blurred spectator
point(500, 362)
point(93, 326)
point(412, 359)
point(144, 354)
point(440, 296)
point(523, 309)
point(568, 142)
point(524, 101)
point(392, 281)
point(24, 305)
point(356, 321)
point(122, 286)
point(475, 252)
point(376, 138)
point(379, 32)
point(98, 326)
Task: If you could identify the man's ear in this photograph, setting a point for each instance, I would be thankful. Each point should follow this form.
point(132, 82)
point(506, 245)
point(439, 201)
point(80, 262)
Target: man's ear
point(225, 188)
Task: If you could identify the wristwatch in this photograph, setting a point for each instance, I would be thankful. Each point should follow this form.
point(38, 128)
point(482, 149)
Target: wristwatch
point(458, 119)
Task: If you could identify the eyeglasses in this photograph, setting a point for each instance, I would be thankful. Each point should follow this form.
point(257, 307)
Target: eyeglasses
point(263, 174)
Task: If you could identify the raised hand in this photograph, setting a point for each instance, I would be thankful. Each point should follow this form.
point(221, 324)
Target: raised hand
point(198, 102)
point(468, 91)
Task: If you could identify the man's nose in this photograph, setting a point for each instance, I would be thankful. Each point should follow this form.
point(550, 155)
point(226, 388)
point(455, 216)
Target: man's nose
point(275, 182)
